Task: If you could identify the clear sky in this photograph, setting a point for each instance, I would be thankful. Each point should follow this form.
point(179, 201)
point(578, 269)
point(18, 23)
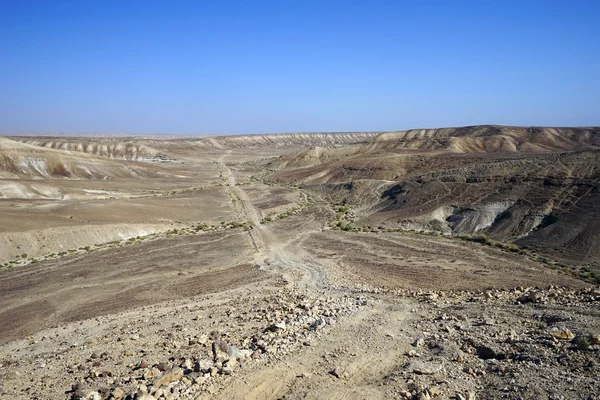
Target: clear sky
point(295, 66)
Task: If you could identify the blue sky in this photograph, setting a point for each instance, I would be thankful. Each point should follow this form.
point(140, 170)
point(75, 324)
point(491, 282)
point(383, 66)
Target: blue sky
point(295, 66)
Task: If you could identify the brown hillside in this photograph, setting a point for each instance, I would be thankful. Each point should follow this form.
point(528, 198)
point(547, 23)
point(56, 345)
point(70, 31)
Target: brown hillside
point(535, 186)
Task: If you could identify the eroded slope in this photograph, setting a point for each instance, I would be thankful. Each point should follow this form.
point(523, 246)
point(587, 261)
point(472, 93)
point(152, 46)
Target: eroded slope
point(537, 187)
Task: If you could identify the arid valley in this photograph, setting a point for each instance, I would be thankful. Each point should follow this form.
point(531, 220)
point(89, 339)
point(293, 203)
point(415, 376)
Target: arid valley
point(458, 263)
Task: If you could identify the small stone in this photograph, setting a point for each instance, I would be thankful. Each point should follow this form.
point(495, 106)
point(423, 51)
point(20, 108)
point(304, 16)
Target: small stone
point(233, 353)
point(232, 362)
point(151, 373)
point(118, 393)
point(163, 367)
point(202, 339)
point(434, 391)
point(220, 350)
point(142, 390)
point(489, 352)
point(339, 373)
point(227, 370)
point(280, 326)
point(79, 390)
point(424, 396)
point(203, 366)
point(530, 297)
point(174, 375)
point(201, 379)
point(245, 353)
point(422, 368)
point(419, 342)
point(89, 395)
point(561, 333)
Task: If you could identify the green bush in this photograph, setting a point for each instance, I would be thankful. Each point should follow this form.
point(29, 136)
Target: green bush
point(201, 227)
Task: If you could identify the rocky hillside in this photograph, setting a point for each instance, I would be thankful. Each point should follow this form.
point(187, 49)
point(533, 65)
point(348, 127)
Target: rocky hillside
point(537, 187)
point(286, 139)
point(117, 148)
point(490, 139)
point(471, 139)
point(24, 160)
point(548, 202)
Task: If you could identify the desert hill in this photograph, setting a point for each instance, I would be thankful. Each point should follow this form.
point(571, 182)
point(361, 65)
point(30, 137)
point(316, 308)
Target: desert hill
point(491, 138)
point(535, 186)
point(471, 139)
point(286, 140)
point(29, 160)
point(117, 148)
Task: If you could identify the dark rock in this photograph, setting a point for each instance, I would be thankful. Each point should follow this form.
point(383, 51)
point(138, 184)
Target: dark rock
point(163, 367)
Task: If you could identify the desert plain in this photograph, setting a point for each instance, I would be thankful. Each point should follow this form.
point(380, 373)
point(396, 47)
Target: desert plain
point(434, 263)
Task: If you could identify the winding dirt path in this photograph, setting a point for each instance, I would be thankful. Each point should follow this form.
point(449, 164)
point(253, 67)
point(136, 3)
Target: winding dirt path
point(365, 343)
point(288, 257)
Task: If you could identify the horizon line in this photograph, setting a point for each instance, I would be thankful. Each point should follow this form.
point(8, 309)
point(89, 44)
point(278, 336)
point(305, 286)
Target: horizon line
point(154, 134)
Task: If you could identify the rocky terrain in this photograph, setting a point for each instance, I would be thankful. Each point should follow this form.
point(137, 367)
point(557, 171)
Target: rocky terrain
point(429, 264)
point(495, 344)
point(536, 187)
